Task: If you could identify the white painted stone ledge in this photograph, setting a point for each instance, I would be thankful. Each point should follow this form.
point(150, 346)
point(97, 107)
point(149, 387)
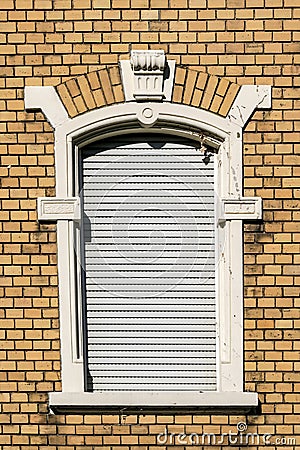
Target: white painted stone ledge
point(157, 399)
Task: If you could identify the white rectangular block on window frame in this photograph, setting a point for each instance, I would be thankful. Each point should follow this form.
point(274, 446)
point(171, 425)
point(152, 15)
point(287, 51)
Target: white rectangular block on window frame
point(245, 208)
point(53, 208)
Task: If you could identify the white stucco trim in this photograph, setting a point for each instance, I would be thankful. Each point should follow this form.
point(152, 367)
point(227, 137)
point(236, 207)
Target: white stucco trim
point(173, 119)
point(46, 99)
point(249, 98)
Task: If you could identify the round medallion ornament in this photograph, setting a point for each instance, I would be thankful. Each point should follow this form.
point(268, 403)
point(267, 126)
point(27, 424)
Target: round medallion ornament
point(147, 113)
point(147, 116)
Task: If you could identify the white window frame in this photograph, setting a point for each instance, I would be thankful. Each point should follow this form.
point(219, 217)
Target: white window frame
point(165, 118)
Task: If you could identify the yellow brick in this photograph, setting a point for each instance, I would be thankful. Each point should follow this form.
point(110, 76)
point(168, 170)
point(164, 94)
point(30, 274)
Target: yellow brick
point(177, 94)
point(114, 75)
point(86, 92)
point(202, 80)
point(80, 104)
point(73, 87)
point(209, 92)
point(197, 96)
point(111, 440)
point(222, 87)
point(216, 103)
point(118, 93)
point(102, 4)
point(67, 100)
point(180, 76)
point(229, 99)
point(189, 86)
point(106, 86)
point(93, 80)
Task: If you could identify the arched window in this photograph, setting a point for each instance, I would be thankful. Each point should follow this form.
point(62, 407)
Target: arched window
point(149, 212)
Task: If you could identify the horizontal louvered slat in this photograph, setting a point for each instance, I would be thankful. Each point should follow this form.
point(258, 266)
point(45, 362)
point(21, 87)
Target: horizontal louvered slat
point(152, 215)
point(156, 158)
point(144, 382)
point(137, 174)
point(158, 353)
point(191, 182)
point(148, 386)
point(158, 277)
point(153, 270)
point(118, 221)
point(174, 309)
point(201, 260)
point(93, 251)
point(114, 263)
point(142, 322)
point(151, 347)
point(147, 213)
point(135, 233)
point(164, 334)
point(129, 186)
point(152, 240)
point(146, 368)
point(149, 263)
point(138, 297)
point(151, 285)
point(134, 195)
point(163, 150)
point(191, 342)
point(156, 379)
point(146, 324)
point(144, 247)
point(141, 314)
point(132, 204)
point(128, 289)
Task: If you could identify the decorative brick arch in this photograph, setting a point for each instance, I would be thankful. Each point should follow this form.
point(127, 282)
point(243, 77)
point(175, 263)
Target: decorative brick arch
point(90, 91)
point(104, 87)
point(208, 92)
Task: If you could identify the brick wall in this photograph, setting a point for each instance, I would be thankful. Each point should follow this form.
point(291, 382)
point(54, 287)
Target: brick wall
point(47, 42)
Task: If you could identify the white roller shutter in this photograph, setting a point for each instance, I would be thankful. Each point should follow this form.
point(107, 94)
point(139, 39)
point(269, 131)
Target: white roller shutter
point(149, 259)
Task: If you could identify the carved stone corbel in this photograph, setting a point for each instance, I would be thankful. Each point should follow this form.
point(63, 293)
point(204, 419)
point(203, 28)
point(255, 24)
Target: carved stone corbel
point(148, 68)
point(147, 76)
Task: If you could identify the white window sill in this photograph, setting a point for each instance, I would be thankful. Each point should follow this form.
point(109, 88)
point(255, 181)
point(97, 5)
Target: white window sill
point(239, 402)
